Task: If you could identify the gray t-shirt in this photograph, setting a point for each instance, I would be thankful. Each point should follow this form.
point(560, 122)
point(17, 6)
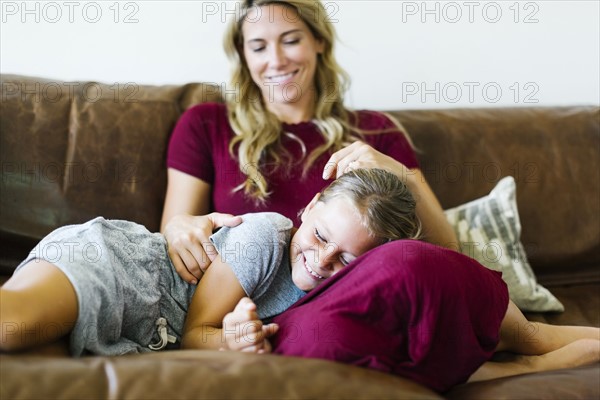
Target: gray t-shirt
point(258, 251)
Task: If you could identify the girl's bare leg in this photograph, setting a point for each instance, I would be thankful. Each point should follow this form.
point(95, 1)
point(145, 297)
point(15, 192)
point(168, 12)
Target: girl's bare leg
point(540, 347)
point(518, 335)
point(38, 309)
point(574, 354)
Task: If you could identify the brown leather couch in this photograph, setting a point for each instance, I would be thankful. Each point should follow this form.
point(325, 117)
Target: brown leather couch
point(73, 150)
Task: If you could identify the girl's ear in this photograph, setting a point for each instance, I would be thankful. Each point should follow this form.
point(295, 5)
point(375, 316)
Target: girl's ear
point(309, 207)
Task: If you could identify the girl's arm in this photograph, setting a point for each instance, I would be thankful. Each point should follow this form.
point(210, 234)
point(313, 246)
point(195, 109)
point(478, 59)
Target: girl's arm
point(221, 317)
point(216, 295)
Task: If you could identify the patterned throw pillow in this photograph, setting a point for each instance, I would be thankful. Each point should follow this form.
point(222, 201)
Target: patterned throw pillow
point(489, 231)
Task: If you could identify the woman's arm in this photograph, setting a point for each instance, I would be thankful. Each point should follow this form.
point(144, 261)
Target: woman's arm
point(436, 228)
point(186, 195)
point(187, 228)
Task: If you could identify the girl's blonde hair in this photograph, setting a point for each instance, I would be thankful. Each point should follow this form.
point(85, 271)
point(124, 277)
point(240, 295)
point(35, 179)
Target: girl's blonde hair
point(258, 132)
point(384, 203)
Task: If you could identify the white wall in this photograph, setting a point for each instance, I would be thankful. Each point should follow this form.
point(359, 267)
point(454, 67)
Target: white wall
point(400, 54)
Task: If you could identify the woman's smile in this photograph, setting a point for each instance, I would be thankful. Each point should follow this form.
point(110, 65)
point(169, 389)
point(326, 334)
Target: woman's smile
point(281, 78)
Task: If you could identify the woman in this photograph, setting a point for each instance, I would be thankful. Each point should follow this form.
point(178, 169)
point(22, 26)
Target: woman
point(285, 128)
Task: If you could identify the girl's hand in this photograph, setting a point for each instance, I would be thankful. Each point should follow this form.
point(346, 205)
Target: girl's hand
point(361, 155)
point(244, 331)
point(189, 246)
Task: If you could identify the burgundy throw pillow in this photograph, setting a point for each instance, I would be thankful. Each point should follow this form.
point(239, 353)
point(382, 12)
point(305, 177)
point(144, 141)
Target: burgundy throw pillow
point(408, 308)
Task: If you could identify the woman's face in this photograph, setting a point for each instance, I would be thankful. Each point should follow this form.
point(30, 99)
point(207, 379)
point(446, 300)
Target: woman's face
point(281, 54)
point(330, 237)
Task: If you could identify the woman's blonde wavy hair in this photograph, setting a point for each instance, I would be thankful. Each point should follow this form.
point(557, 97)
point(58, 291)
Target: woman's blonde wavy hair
point(258, 132)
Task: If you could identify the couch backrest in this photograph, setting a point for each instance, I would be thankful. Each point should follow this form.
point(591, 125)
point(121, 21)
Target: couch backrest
point(73, 150)
point(554, 155)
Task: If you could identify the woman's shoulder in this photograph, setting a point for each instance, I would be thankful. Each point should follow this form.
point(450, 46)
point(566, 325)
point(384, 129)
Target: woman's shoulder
point(204, 117)
point(207, 109)
point(370, 120)
point(385, 134)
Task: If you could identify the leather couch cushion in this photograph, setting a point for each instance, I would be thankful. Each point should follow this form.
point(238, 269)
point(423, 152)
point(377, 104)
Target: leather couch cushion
point(206, 375)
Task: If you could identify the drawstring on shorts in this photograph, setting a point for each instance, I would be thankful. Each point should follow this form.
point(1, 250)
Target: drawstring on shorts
point(165, 338)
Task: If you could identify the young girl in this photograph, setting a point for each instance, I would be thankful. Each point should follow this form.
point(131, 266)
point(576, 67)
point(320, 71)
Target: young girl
point(110, 287)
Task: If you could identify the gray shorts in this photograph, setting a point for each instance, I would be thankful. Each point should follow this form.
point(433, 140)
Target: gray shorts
point(124, 281)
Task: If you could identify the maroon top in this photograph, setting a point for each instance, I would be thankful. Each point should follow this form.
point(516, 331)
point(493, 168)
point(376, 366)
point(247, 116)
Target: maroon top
point(199, 147)
point(408, 308)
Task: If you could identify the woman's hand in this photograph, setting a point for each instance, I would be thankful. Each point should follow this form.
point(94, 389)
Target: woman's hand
point(189, 247)
point(244, 331)
point(436, 228)
point(361, 155)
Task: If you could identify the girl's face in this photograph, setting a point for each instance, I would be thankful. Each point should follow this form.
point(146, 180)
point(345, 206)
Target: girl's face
point(330, 237)
point(281, 54)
